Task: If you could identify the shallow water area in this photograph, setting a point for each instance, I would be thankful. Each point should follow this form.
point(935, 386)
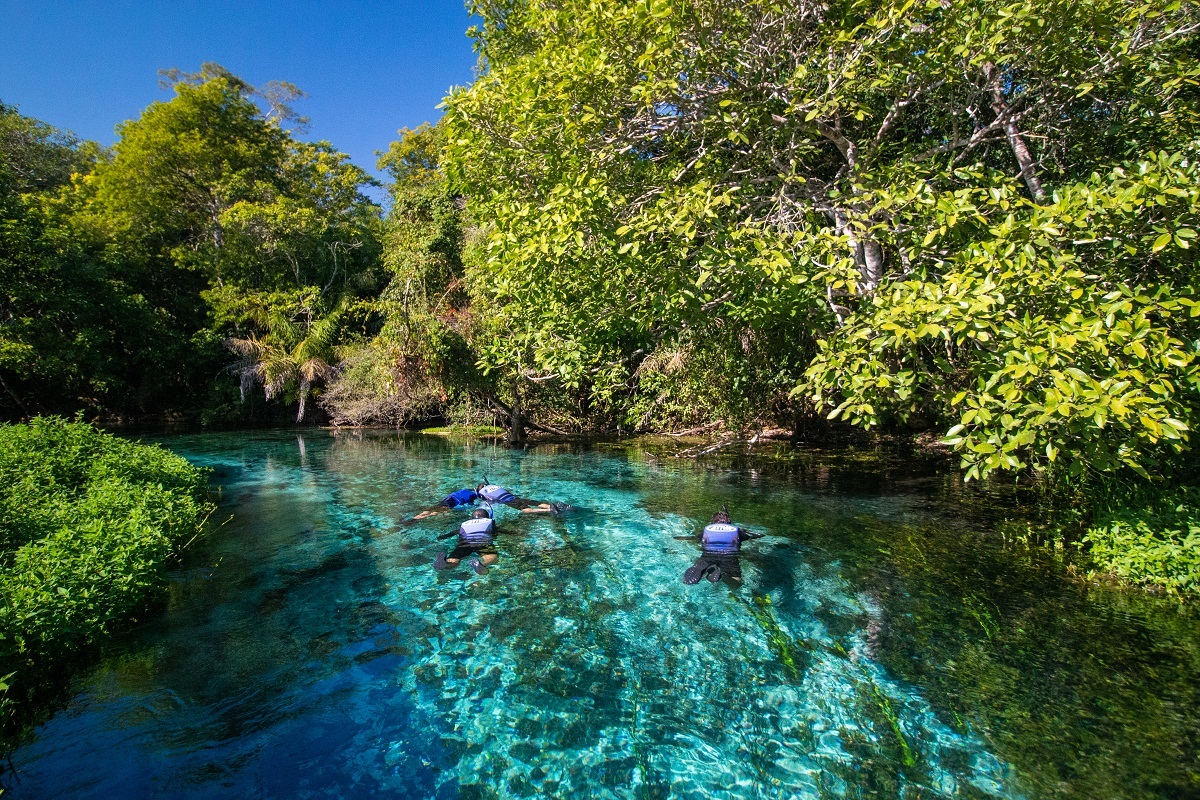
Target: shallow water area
point(882, 641)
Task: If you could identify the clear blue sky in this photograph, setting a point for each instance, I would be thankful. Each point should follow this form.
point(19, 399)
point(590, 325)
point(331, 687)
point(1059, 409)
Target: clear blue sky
point(368, 67)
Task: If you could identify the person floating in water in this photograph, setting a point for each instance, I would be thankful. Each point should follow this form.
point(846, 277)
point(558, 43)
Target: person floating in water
point(498, 494)
point(491, 493)
point(476, 542)
point(721, 542)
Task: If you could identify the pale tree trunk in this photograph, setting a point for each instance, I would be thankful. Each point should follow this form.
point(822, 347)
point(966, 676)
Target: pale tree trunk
point(304, 387)
point(1025, 159)
point(13, 395)
point(868, 253)
point(871, 265)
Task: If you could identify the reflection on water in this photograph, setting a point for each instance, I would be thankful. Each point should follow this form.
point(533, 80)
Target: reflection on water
point(878, 645)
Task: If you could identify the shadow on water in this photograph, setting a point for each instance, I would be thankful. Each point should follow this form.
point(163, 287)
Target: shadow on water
point(883, 642)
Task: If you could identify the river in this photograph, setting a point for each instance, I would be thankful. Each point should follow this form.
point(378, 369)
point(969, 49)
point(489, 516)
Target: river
point(885, 640)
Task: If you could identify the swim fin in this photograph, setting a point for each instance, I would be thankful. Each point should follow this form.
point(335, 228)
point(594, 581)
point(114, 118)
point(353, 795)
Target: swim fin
point(440, 562)
point(479, 567)
point(693, 573)
point(714, 574)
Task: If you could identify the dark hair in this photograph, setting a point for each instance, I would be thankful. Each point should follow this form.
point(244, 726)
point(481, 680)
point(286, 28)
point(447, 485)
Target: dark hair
point(480, 513)
point(721, 516)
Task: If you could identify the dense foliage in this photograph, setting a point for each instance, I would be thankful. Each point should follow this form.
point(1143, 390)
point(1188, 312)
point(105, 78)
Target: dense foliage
point(977, 216)
point(420, 363)
point(1150, 538)
point(129, 275)
point(75, 329)
point(88, 523)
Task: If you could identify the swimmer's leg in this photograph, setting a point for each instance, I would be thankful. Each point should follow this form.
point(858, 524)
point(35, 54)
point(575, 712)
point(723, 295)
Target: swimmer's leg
point(482, 559)
point(430, 512)
point(527, 506)
point(453, 558)
point(733, 569)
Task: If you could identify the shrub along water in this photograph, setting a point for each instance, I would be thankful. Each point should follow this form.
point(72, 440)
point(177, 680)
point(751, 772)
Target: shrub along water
point(88, 522)
point(1151, 540)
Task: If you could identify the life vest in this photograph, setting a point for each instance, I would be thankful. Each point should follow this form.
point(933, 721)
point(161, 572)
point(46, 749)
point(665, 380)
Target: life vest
point(720, 537)
point(496, 494)
point(463, 497)
point(477, 531)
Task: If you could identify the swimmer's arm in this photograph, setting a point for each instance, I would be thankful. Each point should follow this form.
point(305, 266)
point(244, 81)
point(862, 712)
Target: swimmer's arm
point(745, 534)
point(448, 534)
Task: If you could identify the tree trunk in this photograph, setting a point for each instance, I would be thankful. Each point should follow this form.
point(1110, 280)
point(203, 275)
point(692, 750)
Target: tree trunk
point(516, 423)
point(16, 399)
point(1025, 160)
point(304, 386)
point(871, 266)
point(868, 253)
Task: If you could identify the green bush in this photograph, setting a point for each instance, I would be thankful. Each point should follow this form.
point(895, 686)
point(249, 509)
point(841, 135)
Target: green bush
point(1154, 543)
point(87, 523)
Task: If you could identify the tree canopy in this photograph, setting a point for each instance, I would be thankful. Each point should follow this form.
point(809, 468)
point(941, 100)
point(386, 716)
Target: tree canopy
point(973, 218)
point(977, 216)
point(132, 266)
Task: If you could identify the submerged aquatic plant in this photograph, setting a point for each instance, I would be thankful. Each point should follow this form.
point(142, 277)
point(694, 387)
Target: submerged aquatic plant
point(781, 643)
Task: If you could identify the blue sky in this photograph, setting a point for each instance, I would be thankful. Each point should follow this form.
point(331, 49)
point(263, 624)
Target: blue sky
point(368, 67)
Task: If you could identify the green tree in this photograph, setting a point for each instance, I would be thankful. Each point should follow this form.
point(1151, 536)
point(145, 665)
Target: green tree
point(289, 346)
point(420, 364)
point(75, 331)
point(660, 175)
point(214, 207)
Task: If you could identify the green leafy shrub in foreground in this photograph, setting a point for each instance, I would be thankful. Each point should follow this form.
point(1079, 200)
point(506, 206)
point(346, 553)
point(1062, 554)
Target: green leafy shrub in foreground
point(87, 523)
point(1152, 544)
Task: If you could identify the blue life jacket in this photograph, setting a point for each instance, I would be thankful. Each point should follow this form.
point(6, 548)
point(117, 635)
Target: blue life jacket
point(496, 494)
point(720, 537)
point(463, 497)
point(477, 532)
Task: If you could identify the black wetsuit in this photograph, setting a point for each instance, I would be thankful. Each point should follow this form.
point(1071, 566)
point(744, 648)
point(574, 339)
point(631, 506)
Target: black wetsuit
point(470, 543)
point(463, 549)
point(717, 564)
point(498, 494)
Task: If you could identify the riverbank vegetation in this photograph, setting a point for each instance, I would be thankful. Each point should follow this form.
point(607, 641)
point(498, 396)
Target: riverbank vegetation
point(88, 524)
point(976, 221)
point(207, 256)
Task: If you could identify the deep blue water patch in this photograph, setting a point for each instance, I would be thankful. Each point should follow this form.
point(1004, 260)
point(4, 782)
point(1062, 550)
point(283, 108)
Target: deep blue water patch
point(881, 643)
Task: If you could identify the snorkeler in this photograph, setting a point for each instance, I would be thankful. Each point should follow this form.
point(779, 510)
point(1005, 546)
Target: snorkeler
point(476, 537)
point(491, 493)
point(463, 497)
point(720, 542)
point(498, 494)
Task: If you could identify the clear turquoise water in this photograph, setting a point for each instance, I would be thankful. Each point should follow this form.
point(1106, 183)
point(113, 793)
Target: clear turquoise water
point(883, 644)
